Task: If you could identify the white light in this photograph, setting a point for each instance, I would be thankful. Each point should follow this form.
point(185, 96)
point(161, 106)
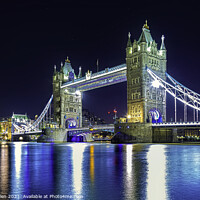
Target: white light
point(66, 90)
point(148, 49)
point(129, 116)
point(156, 83)
point(78, 93)
point(20, 138)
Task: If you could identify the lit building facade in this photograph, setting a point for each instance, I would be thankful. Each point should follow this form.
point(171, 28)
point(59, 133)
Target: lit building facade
point(144, 101)
point(67, 102)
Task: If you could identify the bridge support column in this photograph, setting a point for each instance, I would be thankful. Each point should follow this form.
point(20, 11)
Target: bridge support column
point(185, 108)
point(194, 114)
point(174, 135)
point(175, 114)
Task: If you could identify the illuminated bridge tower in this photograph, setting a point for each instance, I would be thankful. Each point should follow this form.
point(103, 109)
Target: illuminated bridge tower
point(145, 102)
point(67, 102)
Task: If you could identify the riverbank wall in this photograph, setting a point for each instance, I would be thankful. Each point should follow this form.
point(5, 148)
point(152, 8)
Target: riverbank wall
point(53, 135)
point(143, 133)
point(61, 135)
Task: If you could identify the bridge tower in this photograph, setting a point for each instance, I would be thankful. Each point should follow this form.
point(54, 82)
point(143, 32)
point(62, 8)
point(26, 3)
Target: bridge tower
point(67, 101)
point(145, 102)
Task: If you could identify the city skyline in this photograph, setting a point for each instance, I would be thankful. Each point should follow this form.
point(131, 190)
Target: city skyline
point(37, 35)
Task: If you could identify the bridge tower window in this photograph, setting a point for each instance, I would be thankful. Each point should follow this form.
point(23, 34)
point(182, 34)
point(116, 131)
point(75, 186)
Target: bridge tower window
point(71, 98)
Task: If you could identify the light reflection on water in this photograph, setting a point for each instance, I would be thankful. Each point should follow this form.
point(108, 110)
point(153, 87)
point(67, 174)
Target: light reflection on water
point(156, 173)
point(101, 171)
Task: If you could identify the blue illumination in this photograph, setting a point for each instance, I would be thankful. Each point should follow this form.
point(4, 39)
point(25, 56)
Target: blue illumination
point(156, 115)
point(70, 123)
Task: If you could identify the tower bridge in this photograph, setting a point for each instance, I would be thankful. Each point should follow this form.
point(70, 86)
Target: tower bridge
point(141, 97)
point(148, 83)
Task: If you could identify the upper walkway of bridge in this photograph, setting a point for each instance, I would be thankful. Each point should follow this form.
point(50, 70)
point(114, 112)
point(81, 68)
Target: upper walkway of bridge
point(105, 77)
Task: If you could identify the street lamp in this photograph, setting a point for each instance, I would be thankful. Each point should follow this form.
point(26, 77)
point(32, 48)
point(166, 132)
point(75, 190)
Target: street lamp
point(128, 117)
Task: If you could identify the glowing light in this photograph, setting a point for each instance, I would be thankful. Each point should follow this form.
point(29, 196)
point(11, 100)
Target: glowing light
point(156, 83)
point(78, 93)
point(148, 49)
point(138, 48)
point(128, 116)
point(156, 177)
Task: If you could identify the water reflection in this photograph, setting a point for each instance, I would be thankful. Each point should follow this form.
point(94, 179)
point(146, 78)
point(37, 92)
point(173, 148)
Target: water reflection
point(101, 171)
point(77, 160)
point(17, 158)
point(92, 163)
point(129, 177)
point(4, 169)
point(156, 177)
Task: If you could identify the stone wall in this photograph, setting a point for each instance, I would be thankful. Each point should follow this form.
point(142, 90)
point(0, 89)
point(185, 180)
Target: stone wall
point(60, 135)
point(132, 132)
point(53, 135)
point(143, 133)
point(164, 134)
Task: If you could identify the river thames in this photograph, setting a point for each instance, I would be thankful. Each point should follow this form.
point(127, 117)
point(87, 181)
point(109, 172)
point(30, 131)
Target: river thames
point(99, 171)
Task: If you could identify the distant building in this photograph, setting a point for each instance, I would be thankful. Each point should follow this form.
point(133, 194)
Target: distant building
point(21, 120)
point(89, 118)
point(4, 125)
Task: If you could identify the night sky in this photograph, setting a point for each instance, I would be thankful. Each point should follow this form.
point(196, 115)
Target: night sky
point(36, 35)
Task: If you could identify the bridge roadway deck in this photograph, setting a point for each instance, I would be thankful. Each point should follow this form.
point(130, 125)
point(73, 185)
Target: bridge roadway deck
point(39, 132)
point(90, 129)
point(86, 130)
point(95, 127)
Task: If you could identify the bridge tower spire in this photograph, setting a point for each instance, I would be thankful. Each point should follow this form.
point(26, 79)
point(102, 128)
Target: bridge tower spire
point(143, 99)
